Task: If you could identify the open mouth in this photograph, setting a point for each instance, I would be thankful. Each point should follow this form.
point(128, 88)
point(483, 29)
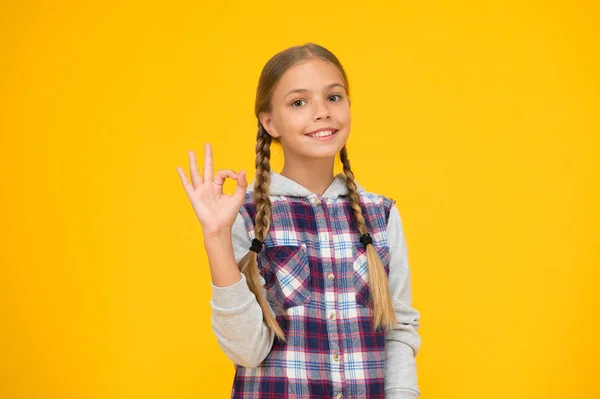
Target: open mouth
point(323, 135)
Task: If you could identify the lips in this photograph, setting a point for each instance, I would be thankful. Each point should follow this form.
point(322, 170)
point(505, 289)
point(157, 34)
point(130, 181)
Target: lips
point(324, 132)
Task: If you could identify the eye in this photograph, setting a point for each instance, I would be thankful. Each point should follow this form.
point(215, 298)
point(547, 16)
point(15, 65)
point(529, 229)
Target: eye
point(336, 95)
point(294, 104)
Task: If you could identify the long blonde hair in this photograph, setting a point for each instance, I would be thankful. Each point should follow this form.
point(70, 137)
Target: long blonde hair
point(384, 315)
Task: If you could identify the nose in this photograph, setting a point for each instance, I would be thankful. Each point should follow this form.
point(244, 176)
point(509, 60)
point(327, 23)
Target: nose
point(321, 111)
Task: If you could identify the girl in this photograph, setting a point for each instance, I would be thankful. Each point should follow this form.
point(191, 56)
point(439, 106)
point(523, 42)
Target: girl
point(311, 289)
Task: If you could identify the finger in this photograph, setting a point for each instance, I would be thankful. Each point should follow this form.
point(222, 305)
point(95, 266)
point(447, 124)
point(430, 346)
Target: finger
point(208, 163)
point(196, 179)
point(223, 174)
point(184, 180)
point(242, 184)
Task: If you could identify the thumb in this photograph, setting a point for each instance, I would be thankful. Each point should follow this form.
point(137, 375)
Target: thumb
point(242, 184)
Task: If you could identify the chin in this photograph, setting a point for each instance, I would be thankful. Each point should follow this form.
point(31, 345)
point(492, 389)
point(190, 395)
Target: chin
point(324, 154)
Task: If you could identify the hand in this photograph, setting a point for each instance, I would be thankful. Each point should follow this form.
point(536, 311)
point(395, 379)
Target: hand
point(215, 211)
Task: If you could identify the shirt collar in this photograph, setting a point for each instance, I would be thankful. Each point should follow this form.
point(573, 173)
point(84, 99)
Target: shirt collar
point(281, 185)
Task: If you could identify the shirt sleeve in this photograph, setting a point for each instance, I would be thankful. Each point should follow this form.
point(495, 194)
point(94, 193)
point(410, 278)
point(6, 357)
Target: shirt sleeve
point(402, 343)
point(237, 318)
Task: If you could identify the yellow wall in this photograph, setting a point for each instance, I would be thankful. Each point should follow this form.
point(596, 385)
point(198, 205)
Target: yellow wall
point(480, 118)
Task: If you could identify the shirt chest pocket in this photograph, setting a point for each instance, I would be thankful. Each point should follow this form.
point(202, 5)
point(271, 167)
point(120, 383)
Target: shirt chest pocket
point(361, 271)
point(286, 271)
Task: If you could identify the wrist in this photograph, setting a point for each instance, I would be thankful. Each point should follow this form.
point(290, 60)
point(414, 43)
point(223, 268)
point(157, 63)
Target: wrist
point(221, 234)
point(218, 243)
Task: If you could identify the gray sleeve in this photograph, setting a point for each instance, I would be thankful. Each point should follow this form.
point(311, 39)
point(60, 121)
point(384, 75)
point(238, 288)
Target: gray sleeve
point(402, 343)
point(237, 319)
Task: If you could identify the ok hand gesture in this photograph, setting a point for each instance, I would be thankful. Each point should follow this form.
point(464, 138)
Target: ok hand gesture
point(215, 211)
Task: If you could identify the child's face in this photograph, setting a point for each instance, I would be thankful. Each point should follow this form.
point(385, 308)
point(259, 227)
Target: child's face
point(322, 104)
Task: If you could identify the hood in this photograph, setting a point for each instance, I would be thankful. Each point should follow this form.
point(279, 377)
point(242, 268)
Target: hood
point(281, 185)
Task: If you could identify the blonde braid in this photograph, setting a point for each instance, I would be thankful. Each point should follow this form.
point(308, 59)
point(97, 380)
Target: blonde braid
point(249, 263)
point(384, 314)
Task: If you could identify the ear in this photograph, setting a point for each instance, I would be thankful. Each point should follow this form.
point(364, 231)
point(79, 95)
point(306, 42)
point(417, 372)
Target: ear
point(266, 119)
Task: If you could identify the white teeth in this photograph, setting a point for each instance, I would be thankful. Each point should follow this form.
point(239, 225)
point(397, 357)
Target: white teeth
point(322, 133)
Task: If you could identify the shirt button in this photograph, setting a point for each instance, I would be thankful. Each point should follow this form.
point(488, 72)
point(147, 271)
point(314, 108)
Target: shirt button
point(336, 357)
point(316, 201)
point(339, 396)
point(330, 276)
point(331, 316)
point(303, 246)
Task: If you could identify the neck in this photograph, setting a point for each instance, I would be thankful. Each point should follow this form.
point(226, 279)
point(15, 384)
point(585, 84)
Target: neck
point(315, 177)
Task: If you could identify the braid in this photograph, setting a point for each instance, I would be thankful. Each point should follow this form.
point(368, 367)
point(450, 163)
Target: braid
point(353, 192)
point(384, 314)
point(249, 263)
point(263, 181)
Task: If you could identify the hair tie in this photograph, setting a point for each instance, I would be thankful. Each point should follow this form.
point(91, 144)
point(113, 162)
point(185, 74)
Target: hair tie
point(256, 245)
point(366, 239)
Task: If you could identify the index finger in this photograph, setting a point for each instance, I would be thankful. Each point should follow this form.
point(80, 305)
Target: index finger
point(208, 163)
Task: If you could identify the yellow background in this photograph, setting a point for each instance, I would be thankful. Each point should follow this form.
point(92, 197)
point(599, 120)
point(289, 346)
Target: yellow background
point(480, 118)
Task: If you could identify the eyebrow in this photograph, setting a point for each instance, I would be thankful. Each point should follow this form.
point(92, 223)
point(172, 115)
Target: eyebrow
point(330, 86)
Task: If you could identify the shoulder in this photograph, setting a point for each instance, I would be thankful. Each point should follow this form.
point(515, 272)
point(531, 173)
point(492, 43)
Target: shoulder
point(378, 210)
point(376, 200)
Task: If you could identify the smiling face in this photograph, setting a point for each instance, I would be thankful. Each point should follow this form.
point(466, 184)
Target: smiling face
point(309, 97)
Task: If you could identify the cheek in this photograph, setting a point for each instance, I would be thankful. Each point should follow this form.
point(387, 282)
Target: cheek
point(294, 121)
point(343, 115)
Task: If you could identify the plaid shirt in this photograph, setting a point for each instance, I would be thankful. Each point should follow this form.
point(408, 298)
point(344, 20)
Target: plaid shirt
point(313, 270)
